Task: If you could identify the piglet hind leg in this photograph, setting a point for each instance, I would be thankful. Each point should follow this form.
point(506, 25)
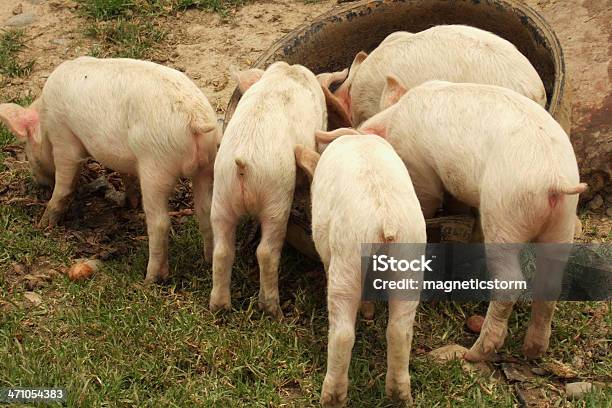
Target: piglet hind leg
point(503, 263)
point(224, 232)
point(399, 341)
point(156, 189)
point(273, 231)
point(67, 159)
point(342, 306)
point(551, 260)
point(202, 197)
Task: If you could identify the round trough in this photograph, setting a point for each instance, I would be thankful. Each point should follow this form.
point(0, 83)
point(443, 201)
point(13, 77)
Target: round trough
point(330, 42)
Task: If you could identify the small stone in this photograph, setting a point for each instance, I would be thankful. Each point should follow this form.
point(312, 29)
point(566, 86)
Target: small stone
point(18, 10)
point(538, 371)
point(596, 203)
point(21, 20)
point(577, 362)
point(99, 184)
point(33, 298)
point(116, 197)
point(577, 389)
point(609, 212)
point(59, 41)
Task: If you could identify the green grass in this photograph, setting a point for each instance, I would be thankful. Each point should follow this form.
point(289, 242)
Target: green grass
point(132, 28)
point(111, 341)
point(11, 43)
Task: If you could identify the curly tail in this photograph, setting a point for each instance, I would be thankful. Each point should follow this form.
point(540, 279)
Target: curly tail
point(199, 154)
point(388, 233)
point(572, 189)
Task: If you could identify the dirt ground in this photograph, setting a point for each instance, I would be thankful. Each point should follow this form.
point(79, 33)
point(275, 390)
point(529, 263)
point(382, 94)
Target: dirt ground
point(202, 44)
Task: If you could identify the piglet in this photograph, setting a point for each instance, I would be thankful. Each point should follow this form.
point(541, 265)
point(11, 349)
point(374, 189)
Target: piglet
point(361, 193)
point(255, 170)
point(453, 53)
point(501, 152)
point(141, 119)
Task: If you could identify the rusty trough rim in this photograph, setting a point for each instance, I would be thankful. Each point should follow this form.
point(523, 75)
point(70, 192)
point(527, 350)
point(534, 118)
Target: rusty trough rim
point(526, 13)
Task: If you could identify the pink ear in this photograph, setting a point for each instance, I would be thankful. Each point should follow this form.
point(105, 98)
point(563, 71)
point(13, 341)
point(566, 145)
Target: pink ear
point(247, 78)
point(328, 137)
point(338, 113)
point(396, 89)
point(22, 122)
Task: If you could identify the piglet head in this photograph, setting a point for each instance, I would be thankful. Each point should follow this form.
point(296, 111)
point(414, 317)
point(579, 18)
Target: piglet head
point(246, 78)
point(24, 123)
point(339, 106)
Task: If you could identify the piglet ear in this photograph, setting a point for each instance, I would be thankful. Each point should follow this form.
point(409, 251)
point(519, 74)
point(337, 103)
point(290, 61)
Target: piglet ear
point(327, 79)
point(247, 78)
point(338, 109)
point(328, 137)
point(22, 122)
point(359, 58)
point(392, 93)
point(306, 159)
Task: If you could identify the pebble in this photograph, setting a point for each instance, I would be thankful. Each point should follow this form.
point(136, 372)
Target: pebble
point(596, 202)
point(21, 20)
point(33, 298)
point(59, 41)
point(577, 389)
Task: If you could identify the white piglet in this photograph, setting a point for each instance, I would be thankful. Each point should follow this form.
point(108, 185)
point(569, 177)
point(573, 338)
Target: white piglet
point(454, 53)
point(255, 171)
point(138, 118)
point(361, 193)
point(501, 152)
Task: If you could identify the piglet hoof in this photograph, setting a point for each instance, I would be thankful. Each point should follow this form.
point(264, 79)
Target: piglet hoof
point(157, 275)
point(491, 339)
point(367, 310)
point(398, 388)
point(271, 307)
point(49, 219)
point(151, 278)
point(483, 350)
point(132, 200)
point(535, 344)
point(219, 301)
point(333, 396)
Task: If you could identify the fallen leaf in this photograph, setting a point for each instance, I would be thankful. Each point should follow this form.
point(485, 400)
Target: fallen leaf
point(559, 369)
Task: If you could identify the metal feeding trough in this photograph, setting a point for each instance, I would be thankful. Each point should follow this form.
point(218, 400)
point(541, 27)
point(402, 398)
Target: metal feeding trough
point(330, 42)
